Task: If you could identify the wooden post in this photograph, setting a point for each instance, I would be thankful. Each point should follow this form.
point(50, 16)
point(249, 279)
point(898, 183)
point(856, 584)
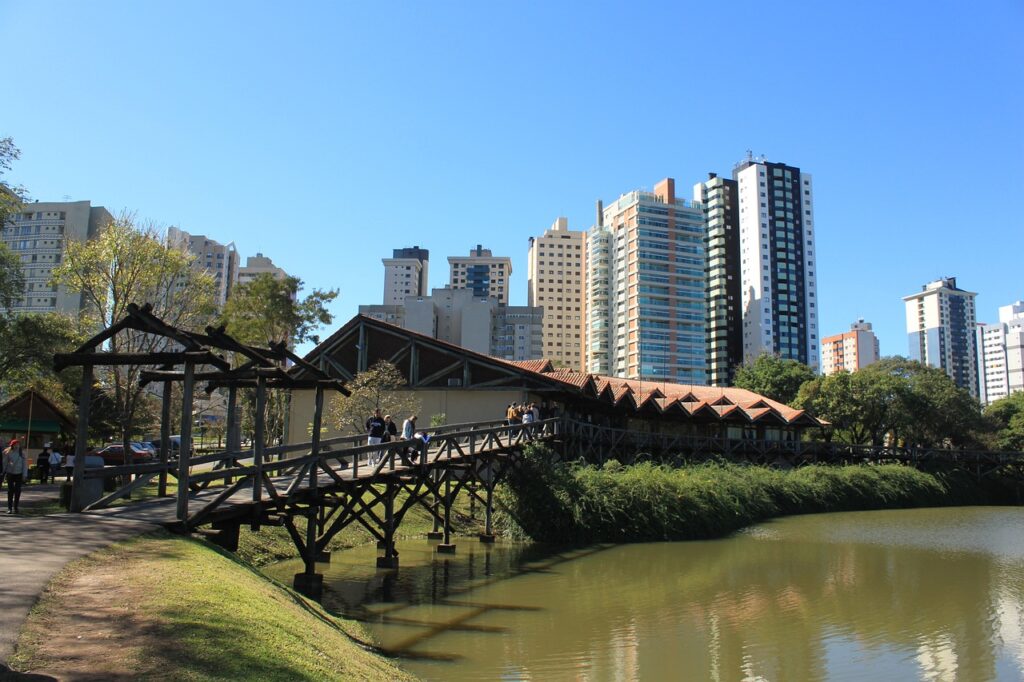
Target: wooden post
point(446, 546)
point(165, 437)
point(78, 501)
point(258, 445)
point(390, 558)
point(233, 442)
point(435, 534)
point(185, 447)
point(314, 480)
point(487, 536)
point(361, 358)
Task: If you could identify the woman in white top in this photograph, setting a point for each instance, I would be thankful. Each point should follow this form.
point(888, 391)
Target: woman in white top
point(15, 471)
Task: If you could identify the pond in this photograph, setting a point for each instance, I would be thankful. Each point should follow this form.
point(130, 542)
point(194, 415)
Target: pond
point(930, 594)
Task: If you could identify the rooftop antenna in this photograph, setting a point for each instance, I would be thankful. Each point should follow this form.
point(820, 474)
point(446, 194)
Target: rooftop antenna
point(66, 197)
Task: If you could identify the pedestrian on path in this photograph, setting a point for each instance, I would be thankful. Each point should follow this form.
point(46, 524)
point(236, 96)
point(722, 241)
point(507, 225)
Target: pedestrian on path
point(55, 462)
point(15, 470)
point(43, 464)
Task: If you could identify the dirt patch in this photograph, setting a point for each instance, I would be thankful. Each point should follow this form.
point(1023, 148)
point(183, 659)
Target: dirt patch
point(87, 624)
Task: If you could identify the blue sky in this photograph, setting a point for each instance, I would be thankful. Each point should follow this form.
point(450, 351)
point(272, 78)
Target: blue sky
point(326, 134)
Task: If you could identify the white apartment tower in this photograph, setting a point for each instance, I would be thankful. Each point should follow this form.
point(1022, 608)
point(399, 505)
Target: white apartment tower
point(37, 234)
point(1001, 354)
point(941, 330)
point(645, 309)
point(219, 260)
point(777, 261)
point(405, 274)
point(486, 275)
point(555, 283)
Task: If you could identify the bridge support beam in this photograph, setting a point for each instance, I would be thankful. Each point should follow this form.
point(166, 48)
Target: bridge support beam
point(436, 533)
point(487, 476)
point(226, 535)
point(447, 546)
point(390, 558)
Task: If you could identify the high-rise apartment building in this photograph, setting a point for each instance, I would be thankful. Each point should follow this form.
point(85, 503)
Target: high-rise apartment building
point(850, 350)
point(405, 274)
point(719, 198)
point(258, 265)
point(645, 288)
point(486, 275)
point(37, 234)
point(1001, 354)
point(219, 260)
point(555, 283)
point(941, 330)
point(777, 261)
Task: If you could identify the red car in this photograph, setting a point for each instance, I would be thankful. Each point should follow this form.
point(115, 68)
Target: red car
point(113, 455)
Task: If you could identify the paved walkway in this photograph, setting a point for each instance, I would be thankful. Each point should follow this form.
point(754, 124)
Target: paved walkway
point(34, 549)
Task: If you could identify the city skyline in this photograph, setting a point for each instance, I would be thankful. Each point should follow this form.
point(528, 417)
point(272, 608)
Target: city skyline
point(896, 121)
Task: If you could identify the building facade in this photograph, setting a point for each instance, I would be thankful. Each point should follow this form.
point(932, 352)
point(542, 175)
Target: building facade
point(219, 260)
point(1001, 354)
point(777, 261)
point(849, 351)
point(406, 274)
point(37, 234)
point(555, 283)
point(941, 330)
point(257, 265)
point(486, 275)
point(645, 288)
point(719, 198)
point(478, 323)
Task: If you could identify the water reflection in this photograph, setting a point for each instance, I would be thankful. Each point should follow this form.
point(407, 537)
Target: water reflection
point(921, 594)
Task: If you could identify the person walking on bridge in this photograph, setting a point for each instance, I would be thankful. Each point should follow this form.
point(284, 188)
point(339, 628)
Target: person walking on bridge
point(15, 470)
point(375, 430)
point(408, 429)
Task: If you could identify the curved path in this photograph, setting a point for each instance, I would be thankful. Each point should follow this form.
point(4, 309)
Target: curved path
point(33, 549)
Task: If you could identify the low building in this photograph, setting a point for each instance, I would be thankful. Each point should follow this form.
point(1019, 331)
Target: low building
point(467, 386)
point(479, 323)
point(850, 350)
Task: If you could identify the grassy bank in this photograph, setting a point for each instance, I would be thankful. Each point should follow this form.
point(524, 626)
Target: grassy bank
point(646, 502)
point(167, 607)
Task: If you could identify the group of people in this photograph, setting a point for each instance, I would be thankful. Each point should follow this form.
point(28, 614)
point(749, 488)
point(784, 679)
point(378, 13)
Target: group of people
point(382, 429)
point(525, 413)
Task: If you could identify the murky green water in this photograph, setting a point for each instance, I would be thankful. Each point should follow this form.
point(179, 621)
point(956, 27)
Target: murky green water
point(933, 594)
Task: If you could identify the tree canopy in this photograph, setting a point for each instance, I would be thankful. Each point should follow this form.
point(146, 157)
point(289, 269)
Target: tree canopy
point(381, 386)
point(773, 377)
point(895, 400)
point(1006, 420)
point(12, 280)
point(130, 262)
point(268, 309)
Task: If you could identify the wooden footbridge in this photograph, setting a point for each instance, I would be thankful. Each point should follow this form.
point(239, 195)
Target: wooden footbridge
point(333, 483)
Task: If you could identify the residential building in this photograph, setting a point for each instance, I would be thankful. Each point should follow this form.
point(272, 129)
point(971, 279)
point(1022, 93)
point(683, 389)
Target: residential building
point(1001, 354)
point(257, 265)
point(219, 260)
point(719, 198)
point(555, 283)
point(37, 234)
point(405, 274)
point(486, 275)
point(777, 261)
point(479, 323)
point(645, 288)
point(850, 350)
point(942, 332)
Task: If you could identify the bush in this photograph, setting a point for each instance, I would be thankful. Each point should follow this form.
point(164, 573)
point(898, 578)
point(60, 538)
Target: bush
point(578, 504)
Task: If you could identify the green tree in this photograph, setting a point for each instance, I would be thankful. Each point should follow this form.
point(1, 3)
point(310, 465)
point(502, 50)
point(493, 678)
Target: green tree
point(773, 377)
point(131, 262)
point(895, 400)
point(269, 309)
point(12, 280)
point(381, 386)
point(27, 345)
point(1006, 417)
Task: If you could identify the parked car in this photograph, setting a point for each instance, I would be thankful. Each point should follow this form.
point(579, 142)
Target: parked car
point(174, 444)
point(144, 445)
point(113, 454)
